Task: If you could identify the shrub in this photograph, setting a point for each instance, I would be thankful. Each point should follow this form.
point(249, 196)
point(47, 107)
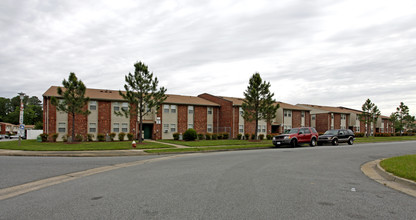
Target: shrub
point(121, 136)
point(90, 137)
point(214, 136)
point(100, 137)
point(78, 138)
point(239, 136)
point(54, 137)
point(189, 135)
point(269, 137)
point(253, 137)
point(208, 136)
point(359, 134)
point(220, 136)
point(261, 136)
point(65, 138)
point(201, 136)
point(225, 135)
point(130, 136)
point(112, 135)
point(175, 136)
point(246, 135)
point(44, 137)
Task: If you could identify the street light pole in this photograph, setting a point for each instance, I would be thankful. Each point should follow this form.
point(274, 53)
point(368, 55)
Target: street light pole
point(21, 125)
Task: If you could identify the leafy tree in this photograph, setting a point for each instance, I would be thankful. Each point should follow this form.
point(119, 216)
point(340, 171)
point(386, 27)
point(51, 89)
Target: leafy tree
point(72, 100)
point(259, 103)
point(394, 121)
point(369, 115)
point(142, 94)
point(404, 119)
point(10, 110)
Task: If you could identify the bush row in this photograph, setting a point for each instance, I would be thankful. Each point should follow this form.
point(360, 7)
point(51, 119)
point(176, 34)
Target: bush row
point(191, 135)
point(88, 137)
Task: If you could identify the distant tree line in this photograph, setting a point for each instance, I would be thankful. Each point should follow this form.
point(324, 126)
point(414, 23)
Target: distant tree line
point(33, 113)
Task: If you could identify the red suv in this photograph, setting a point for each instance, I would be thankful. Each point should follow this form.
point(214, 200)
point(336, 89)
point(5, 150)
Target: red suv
point(297, 136)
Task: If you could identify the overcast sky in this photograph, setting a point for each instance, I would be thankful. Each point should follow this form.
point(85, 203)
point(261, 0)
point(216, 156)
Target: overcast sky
point(323, 52)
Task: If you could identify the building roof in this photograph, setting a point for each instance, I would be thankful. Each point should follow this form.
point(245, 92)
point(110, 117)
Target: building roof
point(292, 107)
point(113, 95)
point(234, 100)
point(330, 109)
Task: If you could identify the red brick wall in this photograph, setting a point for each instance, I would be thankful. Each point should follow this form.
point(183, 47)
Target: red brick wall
point(296, 119)
point(337, 121)
point(200, 119)
point(249, 127)
point(49, 117)
point(157, 128)
point(323, 122)
point(3, 129)
point(133, 120)
point(182, 118)
point(81, 123)
point(235, 127)
point(307, 119)
point(226, 109)
point(104, 117)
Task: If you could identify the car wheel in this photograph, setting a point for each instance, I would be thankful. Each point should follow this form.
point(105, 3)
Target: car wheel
point(313, 142)
point(293, 143)
point(350, 141)
point(335, 142)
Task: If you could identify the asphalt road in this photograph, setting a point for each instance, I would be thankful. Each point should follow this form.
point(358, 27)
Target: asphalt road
point(302, 183)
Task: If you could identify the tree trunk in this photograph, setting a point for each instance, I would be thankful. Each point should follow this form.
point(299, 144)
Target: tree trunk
point(141, 128)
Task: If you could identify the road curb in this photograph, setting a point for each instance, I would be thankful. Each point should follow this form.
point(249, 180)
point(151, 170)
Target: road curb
point(375, 172)
point(105, 153)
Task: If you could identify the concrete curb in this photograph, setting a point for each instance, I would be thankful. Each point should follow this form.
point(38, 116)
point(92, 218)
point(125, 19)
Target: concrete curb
point(103, 153)
point(375, 172)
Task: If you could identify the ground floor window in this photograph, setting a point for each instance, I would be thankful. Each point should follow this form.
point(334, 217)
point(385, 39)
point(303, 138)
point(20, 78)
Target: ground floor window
point(61, 127)
point(93, 127)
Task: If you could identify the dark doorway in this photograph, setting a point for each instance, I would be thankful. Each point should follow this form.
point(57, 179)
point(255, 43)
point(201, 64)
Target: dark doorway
point(147, 130)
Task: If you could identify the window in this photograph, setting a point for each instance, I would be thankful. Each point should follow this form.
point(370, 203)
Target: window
point(166, 108)
point(343, 116)
point(124, 127)
point(125, 106)
point(263, 128)
point(190, 126)
point(288, 113)
point(116, 127)
point(93, 105)
point(190, 109)
point(165, 128)
point(209, 128)
point(93, 127)
point(313, 117)
point(332, 115)
point(61, 127)
point(209, 110)
point(258, 128)
point(303, 114)
point(116, 107)
point(241, 111)
point(241, 129)
point(173, 109)
point(172, 127)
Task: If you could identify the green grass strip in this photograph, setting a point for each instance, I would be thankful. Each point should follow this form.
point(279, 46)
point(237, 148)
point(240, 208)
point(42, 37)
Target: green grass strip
point(33, 145)
point(384, 139)
point(403, 166)
point(215, 148)
point(205, 143)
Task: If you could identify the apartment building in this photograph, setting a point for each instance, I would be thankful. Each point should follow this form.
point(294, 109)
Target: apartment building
point(8, 128)
point(324, 118)
point(290, 116)
point(177, 114)
point(231, 117)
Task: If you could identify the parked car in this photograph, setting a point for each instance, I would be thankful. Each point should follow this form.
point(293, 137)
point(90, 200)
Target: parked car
point(337, 136)
point(297, 136)
point(4, 136)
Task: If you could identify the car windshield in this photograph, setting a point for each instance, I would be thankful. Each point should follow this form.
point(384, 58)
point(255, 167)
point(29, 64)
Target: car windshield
point(293, 131)
point(331, 132)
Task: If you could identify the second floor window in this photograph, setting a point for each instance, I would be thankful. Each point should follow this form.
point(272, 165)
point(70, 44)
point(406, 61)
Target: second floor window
point(209, 110)
point(190, 109)
point(116, 107)
point(93, 105)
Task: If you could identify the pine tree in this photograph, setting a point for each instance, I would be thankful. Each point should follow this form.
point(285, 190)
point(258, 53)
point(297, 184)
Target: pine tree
point(259, 103)
point(72, 98)
point(142, 94)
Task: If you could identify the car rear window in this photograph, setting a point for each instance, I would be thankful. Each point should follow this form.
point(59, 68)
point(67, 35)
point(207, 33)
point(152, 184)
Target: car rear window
point(314, 130)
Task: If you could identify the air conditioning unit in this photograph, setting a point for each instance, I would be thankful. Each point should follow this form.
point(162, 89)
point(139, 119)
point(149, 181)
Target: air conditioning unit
point(166, 131)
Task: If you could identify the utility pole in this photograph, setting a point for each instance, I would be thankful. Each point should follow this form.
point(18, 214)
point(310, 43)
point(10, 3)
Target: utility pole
point(21, 125)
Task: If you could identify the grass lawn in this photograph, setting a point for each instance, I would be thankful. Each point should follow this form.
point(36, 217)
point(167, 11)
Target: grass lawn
point(404, 166)
point(206, 143)
point(384, 139)
point(33, 145)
